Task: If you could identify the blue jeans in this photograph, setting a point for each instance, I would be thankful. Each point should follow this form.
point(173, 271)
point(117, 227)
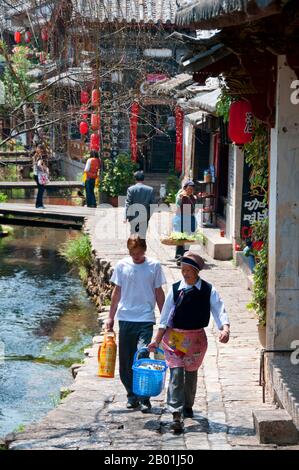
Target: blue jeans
point(90, 197)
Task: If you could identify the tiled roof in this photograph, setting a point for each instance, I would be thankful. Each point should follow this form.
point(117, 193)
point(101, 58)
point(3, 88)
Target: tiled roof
point(127, 10)
point(220, 13)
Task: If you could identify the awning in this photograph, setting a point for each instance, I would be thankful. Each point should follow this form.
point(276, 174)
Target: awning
point(196, 118)
point(207, 101)
point(207, 14)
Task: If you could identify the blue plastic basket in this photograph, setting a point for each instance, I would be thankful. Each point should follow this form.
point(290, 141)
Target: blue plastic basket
point(147, 382)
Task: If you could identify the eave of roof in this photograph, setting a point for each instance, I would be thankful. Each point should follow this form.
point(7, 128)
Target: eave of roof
point(170, 86)
point(207, 14)
point(207, 101)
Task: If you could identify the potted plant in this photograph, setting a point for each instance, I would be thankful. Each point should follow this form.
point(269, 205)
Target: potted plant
point(117, 176)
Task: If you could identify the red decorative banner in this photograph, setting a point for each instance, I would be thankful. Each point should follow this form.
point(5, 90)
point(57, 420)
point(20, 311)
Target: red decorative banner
point(179, 120)
point(134, 113)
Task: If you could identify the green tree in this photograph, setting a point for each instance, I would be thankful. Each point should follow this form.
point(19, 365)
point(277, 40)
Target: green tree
point(117, 175)
point(15, 79)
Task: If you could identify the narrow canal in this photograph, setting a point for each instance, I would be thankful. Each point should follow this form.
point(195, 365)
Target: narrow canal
point(46, 321)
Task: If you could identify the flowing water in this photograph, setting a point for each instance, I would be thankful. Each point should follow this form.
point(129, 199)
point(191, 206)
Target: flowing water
point(46, 321)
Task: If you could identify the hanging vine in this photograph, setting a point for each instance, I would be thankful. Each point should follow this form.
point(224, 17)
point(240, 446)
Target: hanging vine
point(256, 156)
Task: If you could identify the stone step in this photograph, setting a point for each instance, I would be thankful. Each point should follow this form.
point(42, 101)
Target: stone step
point(275, 426)
point(216, 246)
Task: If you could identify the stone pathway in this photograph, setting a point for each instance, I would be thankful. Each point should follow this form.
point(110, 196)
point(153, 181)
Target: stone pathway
point(94, 415)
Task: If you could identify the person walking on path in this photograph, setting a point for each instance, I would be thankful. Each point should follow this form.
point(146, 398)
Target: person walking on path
point(40, 174)
point(184, 219)
point(91, 173)
point(138, 286)
point(141, 194)
point(185, 314)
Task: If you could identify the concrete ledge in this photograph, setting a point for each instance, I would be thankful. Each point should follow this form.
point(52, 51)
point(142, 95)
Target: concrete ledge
point(275, 426)
point(284, 378)
point(217, 247)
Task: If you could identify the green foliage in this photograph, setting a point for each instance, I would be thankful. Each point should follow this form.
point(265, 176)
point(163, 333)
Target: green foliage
point(118, 175)
point(223, 104)
point(78, 252)
point(185, 236)
point(3, 197)
point(106, 302)
point(16, 83)
point(9, 173)
point(172, 187)
point(20, 428)
point(256, 155)
point(65, 393)
point(260, 274)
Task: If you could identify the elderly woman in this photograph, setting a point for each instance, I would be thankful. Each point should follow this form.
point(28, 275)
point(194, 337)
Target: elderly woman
point(184, 219)
point(185, 314)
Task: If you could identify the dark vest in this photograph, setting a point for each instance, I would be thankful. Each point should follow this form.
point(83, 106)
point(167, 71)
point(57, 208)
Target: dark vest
point(193, 310)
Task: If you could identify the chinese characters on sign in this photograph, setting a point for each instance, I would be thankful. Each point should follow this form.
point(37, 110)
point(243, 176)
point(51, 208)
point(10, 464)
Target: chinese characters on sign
point(254, 208)
point(248, 123)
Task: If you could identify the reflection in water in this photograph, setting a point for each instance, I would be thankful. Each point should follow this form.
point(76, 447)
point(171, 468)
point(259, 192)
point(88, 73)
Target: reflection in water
point(46, 320)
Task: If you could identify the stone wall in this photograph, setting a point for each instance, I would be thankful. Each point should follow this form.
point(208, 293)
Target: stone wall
point(98, 285)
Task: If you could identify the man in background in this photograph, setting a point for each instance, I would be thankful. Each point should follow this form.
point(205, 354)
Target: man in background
point(143, 195)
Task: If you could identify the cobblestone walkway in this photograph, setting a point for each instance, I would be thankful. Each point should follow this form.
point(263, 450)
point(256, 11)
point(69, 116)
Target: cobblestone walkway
point(94, 415)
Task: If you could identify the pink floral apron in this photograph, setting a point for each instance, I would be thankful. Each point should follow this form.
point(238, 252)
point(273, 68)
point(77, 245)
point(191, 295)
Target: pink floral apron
point(185, 348)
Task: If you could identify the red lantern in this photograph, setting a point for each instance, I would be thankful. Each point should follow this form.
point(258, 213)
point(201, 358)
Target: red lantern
point(84, 97)
point(83, 111)
point(95, 122)
point(83, 128)
point(44, 34)
point(18, 37)
point(95, 142)
point(240, 127)
point(95, 97)
point(27, 36)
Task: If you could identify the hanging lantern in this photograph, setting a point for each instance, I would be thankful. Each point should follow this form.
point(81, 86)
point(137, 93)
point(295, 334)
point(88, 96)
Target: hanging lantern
point(95, 142)
point(44, 34)
point(83, 128)
point(95, 97)
point(95, 122)
point(18, 37)
point(83, 111)
point(27, 36)
point(84, 97)
point(240, 126)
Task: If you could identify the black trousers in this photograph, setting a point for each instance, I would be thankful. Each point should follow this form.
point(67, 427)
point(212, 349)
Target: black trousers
point(40, 192)
point(132, 337)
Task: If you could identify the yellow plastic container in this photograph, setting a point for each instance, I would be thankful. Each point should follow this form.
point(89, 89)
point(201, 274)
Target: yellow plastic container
point(107, 356)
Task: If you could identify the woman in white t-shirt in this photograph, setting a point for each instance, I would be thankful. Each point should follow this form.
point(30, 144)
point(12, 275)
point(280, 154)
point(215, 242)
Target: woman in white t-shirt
point(138, 287)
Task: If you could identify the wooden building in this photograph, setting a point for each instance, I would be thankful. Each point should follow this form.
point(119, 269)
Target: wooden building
point(256, 51)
